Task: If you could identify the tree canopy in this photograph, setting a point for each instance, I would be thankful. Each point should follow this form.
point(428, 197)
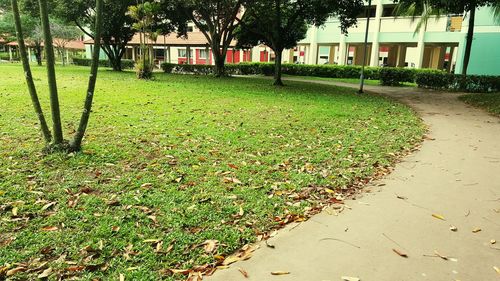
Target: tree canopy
point(281, 24)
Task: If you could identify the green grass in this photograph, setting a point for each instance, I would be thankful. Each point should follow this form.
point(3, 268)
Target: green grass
point(487, 101)
point(159, 162)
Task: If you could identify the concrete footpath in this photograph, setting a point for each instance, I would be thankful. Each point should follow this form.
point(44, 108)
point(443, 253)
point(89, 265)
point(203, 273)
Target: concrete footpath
point(455, 177)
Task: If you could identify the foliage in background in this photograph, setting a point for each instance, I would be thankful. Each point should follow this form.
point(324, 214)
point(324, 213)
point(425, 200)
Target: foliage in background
point(117, 31)
point(281, 24)
point(217, 20)
point(489, 101)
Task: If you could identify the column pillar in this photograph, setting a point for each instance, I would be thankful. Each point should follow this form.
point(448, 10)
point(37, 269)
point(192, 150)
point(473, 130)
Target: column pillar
point(343, 50)
point(420, 48)
point(375, 51)
point(10, 53)
point(188, 55)
point(313, 54)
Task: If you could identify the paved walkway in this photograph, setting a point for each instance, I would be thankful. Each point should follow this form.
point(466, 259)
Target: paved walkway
point(456, 175)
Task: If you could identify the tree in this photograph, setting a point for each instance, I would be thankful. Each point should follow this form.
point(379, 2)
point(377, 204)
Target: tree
point(281, 24)
point(117, 24)
point(414, 7)
point(63, 35)
point(217, 20)
point(55, 141)
point(31, 29)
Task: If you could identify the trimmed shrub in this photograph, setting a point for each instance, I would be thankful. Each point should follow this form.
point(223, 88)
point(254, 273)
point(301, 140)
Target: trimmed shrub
point(438, 80)
point(395, 76)
point(126, 64)
point(267, 69)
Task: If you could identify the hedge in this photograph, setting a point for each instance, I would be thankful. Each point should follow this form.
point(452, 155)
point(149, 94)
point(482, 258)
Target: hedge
point(331, 71)
point(126, 64)
point(389, 76)
point(438, 80)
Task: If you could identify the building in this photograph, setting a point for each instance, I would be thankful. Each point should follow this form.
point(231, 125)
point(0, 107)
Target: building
point(392, 41)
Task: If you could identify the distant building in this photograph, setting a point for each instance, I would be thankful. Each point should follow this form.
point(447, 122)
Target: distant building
point(393, 41)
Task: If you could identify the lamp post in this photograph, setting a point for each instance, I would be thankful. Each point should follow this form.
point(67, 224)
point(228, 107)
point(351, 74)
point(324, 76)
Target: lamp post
point(365, 53)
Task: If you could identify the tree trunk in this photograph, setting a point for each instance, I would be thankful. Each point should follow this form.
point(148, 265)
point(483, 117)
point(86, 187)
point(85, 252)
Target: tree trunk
point(219, 59)
point(38, 53)
point(115, 57)
point(27, 70)
point(51, 73)
point(278, 68)
point(470, 38)
point(76, 144)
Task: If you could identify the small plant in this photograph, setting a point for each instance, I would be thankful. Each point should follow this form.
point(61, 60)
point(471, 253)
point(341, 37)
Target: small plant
point(144, 70)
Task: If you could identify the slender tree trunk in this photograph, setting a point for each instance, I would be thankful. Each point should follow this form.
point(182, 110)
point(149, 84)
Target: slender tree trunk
point(51, 73)
point(76, 144)
point(27, 70)
point(38, 53)
point(278, 68)
point(470, 38)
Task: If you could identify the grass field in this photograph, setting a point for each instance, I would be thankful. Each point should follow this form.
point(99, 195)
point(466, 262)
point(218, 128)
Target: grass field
point(487, 101)
point(171, 163)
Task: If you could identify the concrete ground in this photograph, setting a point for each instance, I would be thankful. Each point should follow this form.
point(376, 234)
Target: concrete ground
point(456, 175)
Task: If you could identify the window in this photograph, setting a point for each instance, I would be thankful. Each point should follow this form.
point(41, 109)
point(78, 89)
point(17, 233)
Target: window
point(372, 10)
point(203, 54)
point(389, 11)
point(182, 53)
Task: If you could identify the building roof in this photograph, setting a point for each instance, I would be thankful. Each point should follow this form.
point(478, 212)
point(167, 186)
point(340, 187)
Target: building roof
point(2, 41)
point(194, 39)
point(71, 45)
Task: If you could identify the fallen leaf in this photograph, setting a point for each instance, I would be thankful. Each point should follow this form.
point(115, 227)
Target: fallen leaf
point(453, 228)
point(441, 256)
point(493, 241)
point(243, 272)
point(438, 217)
point(280, 272)
point(180, 271)
point(46, 273)
point(47, 206)
point(147, 185)
point(231, 259)
point(50, 228)
point(122, 277)
point(115, 228)
point(241, 213)
point(347, 278)
point(496, 269)
point(476, 230)
point(75, 268)
point(329, 191)
point(401, 254)
point(209, 246)
point(14, 211)
point(16, 270)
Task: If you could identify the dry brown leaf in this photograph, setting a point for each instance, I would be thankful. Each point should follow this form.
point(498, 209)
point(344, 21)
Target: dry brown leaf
point(50, 228)
point(209, 246)
point(122, 277)
point(243, 272)
point(47, 206)
point(115, 228)
point(453, 228)
point(441, 256)
point(496, 269)
point(401, 254)
point(16, 270)
point(76, 268)
point(280, 272)
point(348, 278)
point(231, 259)
point(493, 241)
point(180, 271)
point(476, 230)
point(440, 217)
point(15, 211)
point(241, 212)
point(46, 273)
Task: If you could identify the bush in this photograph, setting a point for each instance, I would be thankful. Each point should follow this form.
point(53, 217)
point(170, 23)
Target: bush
point(395, 76)
point(126, 64)
point(432, 79)
point(331, 71)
